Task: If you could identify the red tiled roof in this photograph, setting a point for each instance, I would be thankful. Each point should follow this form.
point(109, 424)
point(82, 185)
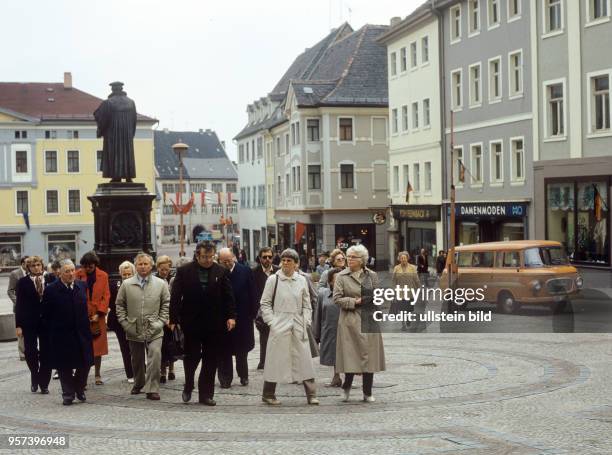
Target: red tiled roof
point(50, 101)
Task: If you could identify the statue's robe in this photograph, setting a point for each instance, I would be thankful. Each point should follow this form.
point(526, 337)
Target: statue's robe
point(116, 119)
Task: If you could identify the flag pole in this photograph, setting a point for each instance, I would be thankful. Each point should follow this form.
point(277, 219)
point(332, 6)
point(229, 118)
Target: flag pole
point(451, 249)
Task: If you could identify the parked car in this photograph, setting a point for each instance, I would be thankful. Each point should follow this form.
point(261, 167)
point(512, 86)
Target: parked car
point(515, 273)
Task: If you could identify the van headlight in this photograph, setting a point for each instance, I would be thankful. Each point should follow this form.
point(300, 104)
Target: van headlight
point(579, 282)
point(536, 286)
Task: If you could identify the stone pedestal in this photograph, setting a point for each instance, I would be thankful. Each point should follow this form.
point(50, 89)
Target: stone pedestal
point(122, 224)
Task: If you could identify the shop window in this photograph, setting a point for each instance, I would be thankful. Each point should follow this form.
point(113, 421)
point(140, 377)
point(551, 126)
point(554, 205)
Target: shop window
point(10, 250)
point(61, 246)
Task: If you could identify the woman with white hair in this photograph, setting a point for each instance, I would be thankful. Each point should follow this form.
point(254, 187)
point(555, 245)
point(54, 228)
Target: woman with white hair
point(285, 307)
point(126, 270)
point(357, 352)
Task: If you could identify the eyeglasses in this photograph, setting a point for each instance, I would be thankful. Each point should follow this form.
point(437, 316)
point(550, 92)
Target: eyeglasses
point(266, 257)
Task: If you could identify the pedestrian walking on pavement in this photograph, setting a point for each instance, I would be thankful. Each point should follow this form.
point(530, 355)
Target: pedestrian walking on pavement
point(66, 318)
point(286, 308)
point(404, 275)
point(356, 352)
point(260, 276)
point(163, 267)
point(142, 310)
point(423, 267)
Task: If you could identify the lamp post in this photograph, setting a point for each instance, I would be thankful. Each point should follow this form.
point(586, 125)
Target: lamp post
point(179, 148)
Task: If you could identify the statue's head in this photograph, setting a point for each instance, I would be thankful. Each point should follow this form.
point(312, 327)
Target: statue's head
point(117, 87)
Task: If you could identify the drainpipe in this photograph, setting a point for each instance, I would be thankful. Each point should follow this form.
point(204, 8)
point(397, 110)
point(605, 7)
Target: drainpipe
point(443, 142)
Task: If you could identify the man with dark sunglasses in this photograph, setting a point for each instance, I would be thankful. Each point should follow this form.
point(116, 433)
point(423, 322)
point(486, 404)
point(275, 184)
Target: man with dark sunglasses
point(260, 275)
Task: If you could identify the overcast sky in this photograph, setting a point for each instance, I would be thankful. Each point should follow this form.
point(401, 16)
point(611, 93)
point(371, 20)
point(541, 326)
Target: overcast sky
point(191, 64)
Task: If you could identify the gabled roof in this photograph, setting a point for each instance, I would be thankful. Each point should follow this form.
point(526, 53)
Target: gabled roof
point(205, 158)
point(50, 101)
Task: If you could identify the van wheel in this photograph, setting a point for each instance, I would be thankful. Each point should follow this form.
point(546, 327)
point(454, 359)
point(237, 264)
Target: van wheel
point(506, 303)
point(558, 307)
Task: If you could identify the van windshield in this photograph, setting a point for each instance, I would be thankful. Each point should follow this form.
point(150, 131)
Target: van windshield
point(545, 257)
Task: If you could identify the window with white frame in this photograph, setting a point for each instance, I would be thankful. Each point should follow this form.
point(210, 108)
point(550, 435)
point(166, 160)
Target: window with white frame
point(50, 134)
point(74, 201)
point(298, 181)
point(22, 203)
point(394, 121)
point(600, 103)
point(427, 176)
point(287, 184)
point(278, 146)
point(345, 126)
point(598, 9)
point(553, 15)
point(416, 173)
point(21, 162)
point(555, 110)
point(243, 198)
point(426, 113)
point(393, 64)
point(297, 135)
point(403, 59)
point(72, 161)
point(241, 153)
point(518, 159)
point(346, 177)
point(495, 83)
point(293, 134)
point(260, 142)
point(455, 23)
point(476, 167)
point(458, 165)
point(287, 146)
point(62, 246)
point(514, 9)
point(515, 64)
point(247, 151)
point(456, 89)
point(415, 115)
point(293, 180)
point(314, 177)
point(396, 179)
point(52, 201)
point(229, 187)
point(312, 126)
point(425, 49)
point(497, 161)
point(21, 168)
point(279, 188)
point(404, 118)
point(474, 16)
point(475, 86)
point(413, 55)
point(216, 187)
point(406, 170)
point(493, 13)
point(50, 161)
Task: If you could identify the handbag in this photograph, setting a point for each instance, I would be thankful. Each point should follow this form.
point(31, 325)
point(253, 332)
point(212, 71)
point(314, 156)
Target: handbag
point(176, 346)
point(94, 327)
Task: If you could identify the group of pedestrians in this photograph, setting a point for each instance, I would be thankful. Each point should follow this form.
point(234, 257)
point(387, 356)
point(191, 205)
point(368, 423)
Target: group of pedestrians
point(215, 302)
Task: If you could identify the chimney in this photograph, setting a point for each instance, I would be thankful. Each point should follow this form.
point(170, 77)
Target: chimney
point(395, 20)
point(223, 144)
point(166, 131)
point(67, 81)
point(201, 131)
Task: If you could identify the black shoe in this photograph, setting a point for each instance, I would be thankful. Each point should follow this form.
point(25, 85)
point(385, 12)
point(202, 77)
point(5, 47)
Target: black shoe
point(44, 390)
point(171, 376)
point(186, 396)
point(162, 379)
point(67, 402)
point(135, 390)
point(208, 402)
point(226, 385)
point(81, 396)
point(244, 381)
point(260, 366)
point(34, 388)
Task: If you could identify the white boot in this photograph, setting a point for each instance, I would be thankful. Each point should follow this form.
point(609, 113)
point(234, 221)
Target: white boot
point(369, 399)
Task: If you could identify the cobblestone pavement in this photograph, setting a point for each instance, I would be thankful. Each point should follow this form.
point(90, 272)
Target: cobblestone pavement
point(527, 393)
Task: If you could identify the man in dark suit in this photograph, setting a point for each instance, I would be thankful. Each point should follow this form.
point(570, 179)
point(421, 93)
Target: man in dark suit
point(28, 324)
point(260, 275)
point(14, 277)
point(65, 316)
point(202, 303)
point(242, 339)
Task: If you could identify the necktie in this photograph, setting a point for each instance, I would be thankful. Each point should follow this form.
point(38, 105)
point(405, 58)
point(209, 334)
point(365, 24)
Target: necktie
point(39, 285)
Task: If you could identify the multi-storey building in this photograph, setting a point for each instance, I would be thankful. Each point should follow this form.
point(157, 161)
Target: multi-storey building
point(572, 73)
point(331, 155)
point(210, 181)
point(50, 161)
point(415, 148)
point(487, 63)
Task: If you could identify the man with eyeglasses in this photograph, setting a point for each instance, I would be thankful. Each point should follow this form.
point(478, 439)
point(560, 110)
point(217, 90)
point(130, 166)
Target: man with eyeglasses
point(260, 275)
point(202, 303)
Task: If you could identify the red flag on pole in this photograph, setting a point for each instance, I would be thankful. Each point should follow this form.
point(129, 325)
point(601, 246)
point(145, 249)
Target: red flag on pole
point(229, 198)
point(202, 200)
point(219, 198)
point(300, 228)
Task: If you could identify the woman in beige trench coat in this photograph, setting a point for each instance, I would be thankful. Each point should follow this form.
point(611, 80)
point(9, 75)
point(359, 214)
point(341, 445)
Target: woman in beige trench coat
point(285, 307)
point(356, 352)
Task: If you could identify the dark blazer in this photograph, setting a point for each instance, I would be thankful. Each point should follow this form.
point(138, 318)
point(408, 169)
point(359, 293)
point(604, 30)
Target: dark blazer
point(65, 317)
point(202, 313)
point(259, 278)
point(28, 308)
point(242, 337)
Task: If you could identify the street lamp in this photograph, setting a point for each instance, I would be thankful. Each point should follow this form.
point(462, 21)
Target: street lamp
point(179, 148)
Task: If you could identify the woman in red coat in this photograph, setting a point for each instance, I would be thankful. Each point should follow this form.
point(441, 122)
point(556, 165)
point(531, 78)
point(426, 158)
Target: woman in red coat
point(98, 297)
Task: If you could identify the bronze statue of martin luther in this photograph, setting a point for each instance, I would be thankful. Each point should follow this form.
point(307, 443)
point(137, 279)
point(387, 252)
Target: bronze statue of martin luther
point(116, 120)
